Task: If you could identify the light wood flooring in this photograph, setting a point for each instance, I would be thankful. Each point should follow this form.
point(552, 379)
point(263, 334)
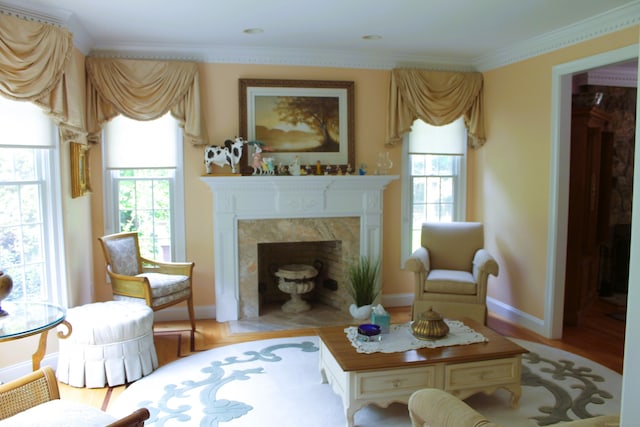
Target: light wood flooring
point(600, 338)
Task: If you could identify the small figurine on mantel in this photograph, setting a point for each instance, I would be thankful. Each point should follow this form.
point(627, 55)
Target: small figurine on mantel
point(349, 169)
point(229, 154)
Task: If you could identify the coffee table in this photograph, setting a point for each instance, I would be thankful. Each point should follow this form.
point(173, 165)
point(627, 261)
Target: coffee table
point(384, 378)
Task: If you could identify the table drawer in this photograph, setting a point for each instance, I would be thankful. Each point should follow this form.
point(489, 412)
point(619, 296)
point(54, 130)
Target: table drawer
point(485, 373)
point(395, 381)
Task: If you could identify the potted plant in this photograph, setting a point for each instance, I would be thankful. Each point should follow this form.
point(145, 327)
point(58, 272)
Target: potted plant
point(364, 288)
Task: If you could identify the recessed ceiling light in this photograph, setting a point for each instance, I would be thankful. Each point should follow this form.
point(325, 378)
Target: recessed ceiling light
point(253, 31)
point(372, 37)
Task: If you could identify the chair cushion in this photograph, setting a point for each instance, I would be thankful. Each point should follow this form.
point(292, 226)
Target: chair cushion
point(124, 256)
point(58, 413)
point(166, 284)
point(450, 282)
point(452, 245)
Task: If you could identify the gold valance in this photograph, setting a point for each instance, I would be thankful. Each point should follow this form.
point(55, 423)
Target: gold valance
point(36, 64)
point(144, 90)
point(437, 98)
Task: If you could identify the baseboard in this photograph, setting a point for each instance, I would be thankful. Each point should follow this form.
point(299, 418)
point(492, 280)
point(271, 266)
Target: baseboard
point(397, 300)
point(179, 312)
point(9, 373)
point(516, 316)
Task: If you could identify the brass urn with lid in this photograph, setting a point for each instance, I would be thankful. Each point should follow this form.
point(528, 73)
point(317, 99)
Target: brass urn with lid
point(429, 326)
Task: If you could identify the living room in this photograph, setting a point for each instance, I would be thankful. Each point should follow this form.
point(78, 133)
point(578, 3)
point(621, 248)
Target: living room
point(512, 182)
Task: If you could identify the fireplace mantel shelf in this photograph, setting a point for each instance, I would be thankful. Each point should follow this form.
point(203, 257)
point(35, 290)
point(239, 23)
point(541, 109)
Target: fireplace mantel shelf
point(237, 198)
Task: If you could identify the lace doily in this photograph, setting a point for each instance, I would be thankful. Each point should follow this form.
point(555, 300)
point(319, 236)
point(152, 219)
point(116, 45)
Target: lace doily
point(400, 338)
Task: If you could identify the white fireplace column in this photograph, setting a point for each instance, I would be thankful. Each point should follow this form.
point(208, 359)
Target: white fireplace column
point(237, 198)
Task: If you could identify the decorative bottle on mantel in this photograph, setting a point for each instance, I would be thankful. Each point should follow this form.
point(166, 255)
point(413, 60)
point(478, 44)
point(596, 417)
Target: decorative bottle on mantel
point(384, 163)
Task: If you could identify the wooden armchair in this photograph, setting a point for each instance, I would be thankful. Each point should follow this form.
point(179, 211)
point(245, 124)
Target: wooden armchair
point(451, 270)
point(34, 399)
point(159, 284)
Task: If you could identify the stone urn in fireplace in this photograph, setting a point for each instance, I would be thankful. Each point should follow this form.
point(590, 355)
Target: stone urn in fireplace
point(296, 280)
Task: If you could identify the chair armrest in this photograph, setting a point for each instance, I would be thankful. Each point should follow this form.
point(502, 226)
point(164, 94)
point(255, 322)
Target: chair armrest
point(135, 419)
point(418, 261)
point(28, 391)
point(130, 286)
point(437, 408)
point(152, 266)
point(483, 262)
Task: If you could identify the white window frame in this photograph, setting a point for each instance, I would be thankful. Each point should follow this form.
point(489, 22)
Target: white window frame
point(178, 241)
point(50, 189)
point(460, 197)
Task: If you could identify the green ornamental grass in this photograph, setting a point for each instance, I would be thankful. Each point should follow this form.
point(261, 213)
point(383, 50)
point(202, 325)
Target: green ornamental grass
point(363, 276)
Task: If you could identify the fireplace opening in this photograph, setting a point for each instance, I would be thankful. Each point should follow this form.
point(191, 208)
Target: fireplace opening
point(324, 256)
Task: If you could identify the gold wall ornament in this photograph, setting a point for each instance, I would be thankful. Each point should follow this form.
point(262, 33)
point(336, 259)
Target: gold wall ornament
point(80, 176)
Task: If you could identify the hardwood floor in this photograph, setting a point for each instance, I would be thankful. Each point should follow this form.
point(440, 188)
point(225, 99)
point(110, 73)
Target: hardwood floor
point(600, 339)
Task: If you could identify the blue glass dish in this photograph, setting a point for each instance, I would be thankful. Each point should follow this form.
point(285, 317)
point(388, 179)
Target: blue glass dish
point(369, 332)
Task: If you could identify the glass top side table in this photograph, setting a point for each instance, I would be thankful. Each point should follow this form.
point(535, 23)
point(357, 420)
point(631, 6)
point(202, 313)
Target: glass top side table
point(30, 318)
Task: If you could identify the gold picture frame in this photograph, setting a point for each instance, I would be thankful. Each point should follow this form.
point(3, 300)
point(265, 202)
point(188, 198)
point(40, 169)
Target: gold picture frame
point(80, 177)
point(278, 114)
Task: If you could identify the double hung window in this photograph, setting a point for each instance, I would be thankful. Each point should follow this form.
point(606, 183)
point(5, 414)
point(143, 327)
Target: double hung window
point(144, 181)
point(435, 178)
point(31, 242)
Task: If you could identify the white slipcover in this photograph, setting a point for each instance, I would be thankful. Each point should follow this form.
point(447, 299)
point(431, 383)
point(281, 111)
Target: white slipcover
point(110, 343)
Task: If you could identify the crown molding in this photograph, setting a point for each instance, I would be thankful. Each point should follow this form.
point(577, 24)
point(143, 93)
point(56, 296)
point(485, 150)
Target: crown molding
point(609, 76)
point(597, 26)
point(279, 56)
point(612, 21)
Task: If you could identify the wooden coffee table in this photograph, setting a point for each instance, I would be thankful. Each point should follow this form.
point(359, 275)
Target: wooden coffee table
point(384, 378)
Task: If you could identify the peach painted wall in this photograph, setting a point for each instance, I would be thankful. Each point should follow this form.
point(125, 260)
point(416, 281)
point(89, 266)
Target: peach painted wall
point(220, 103)
point(509, 177)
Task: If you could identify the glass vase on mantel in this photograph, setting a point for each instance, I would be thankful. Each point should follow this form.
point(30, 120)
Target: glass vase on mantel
point(383, 163)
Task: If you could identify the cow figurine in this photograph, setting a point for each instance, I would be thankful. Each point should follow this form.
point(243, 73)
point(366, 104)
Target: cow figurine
point(230, 154)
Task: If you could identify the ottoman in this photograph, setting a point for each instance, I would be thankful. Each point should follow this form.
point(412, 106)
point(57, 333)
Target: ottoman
point(110, 343)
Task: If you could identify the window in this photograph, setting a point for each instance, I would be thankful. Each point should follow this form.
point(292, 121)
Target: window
point(434, 189)
point(31, 245)
point(143, 161)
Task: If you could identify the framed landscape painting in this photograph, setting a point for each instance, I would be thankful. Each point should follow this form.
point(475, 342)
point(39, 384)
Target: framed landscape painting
point(311, 120)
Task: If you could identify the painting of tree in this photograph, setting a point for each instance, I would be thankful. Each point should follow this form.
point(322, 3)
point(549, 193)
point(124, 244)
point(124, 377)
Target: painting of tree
point(307, 121)
point(298, 123)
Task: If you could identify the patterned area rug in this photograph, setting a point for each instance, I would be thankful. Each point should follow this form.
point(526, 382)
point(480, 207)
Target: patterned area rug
point(277, 383)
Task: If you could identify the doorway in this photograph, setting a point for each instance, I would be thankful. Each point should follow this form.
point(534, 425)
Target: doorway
point(600, 192)
point(562, 89)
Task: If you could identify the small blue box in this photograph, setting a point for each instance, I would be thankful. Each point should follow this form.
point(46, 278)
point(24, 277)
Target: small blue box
point(382, 320)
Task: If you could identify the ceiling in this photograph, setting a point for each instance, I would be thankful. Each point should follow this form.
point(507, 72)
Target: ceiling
point(454, 33)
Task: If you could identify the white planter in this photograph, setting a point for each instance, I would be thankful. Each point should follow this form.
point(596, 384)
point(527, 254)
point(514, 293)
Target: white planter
point(360, 313)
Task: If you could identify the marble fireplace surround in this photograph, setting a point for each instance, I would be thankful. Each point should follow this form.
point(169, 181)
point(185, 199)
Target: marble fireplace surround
point(322, 204)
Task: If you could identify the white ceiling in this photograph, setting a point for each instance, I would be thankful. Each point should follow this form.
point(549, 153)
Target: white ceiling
point(462, 33)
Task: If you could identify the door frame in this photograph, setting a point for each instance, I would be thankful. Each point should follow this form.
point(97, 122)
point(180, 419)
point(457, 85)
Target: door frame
point(561, 91)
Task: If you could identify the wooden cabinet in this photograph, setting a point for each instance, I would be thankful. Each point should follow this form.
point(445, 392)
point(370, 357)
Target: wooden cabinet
point(589, 199)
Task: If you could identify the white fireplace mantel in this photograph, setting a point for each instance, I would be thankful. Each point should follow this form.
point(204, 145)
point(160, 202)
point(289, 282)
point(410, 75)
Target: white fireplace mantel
point(237, 198)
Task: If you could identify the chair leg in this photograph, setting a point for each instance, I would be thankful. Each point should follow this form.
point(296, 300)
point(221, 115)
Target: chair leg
point(191, 315)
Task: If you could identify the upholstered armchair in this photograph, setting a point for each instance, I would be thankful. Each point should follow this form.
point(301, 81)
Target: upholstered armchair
point(158, 284)
point(451, 270)
point(432, 407)
point(35, 397)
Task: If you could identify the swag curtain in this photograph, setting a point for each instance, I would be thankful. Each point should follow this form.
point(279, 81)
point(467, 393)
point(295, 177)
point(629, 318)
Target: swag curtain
point(144, 90)
point(36, 65)
point(437, 98)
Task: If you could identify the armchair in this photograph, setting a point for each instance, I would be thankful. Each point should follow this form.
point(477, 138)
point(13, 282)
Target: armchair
point(432, 407)
point(451, 270)
point(158, 284)
point(34, 399)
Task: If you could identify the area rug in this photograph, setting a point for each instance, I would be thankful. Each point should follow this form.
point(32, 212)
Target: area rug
point(277, 383)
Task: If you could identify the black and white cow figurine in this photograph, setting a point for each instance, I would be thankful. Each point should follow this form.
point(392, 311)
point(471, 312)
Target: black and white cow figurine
point(230, 154)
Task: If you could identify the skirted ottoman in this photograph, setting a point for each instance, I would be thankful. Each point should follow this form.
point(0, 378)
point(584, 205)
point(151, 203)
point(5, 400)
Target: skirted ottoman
point(110, 343)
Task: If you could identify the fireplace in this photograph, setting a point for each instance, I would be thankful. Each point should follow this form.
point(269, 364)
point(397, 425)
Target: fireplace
point(255, 210)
